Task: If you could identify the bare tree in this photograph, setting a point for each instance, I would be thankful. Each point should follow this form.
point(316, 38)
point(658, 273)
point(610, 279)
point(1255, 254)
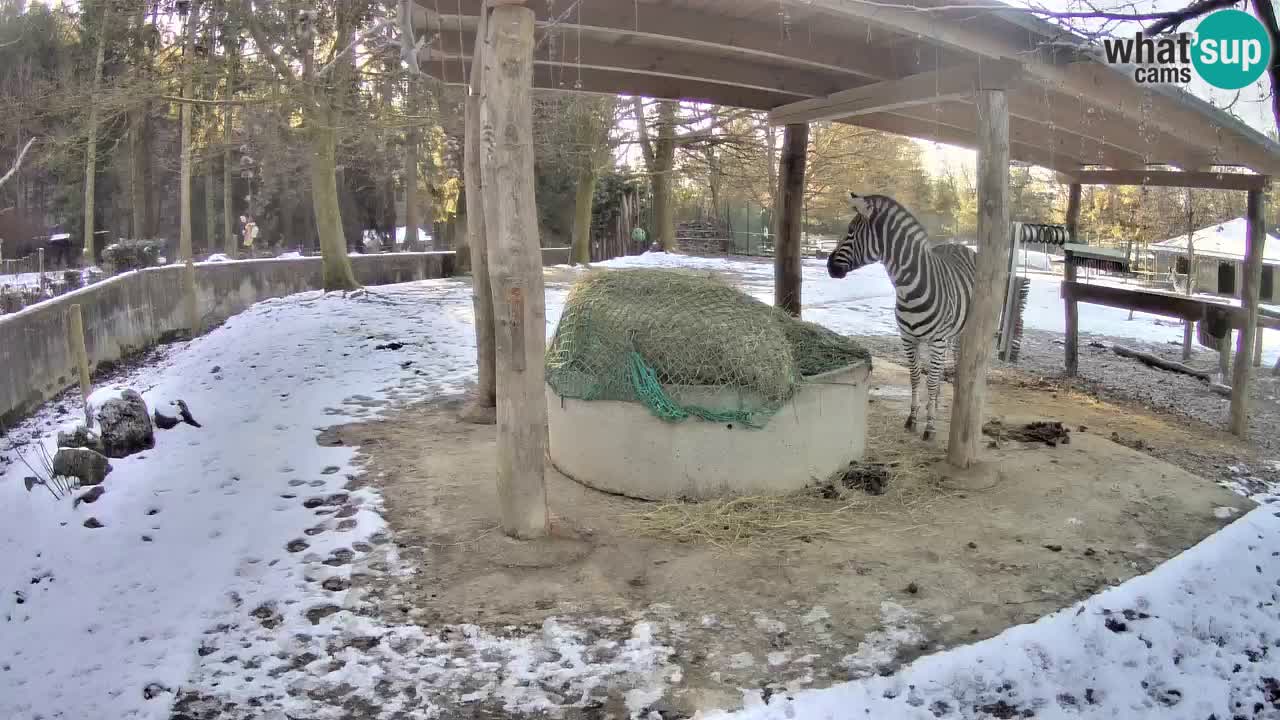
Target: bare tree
point(16, 163)
point(321, 89)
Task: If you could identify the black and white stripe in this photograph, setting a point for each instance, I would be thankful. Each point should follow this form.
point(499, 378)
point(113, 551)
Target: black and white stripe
point(934, 286)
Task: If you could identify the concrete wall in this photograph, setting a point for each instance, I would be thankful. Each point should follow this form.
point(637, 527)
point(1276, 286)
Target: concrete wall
point(135, 310)
point(622, 448)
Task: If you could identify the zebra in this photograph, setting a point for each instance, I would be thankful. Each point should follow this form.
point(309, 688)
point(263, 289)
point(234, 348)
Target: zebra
point(933, 283)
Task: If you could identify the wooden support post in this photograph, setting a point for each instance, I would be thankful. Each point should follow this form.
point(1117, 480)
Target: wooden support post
point(789, 204)
point(1224, 358)
point(993, 259)
point(1191, 274)
point(1249, 301)
point(75, 338)
point(515, 267)
point(478, 248)
point(1072, 309)
point(40, 268)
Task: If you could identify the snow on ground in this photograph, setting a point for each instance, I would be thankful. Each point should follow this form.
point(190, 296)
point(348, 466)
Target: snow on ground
point(225, 552)
point(1199, 637)
point(93, 616)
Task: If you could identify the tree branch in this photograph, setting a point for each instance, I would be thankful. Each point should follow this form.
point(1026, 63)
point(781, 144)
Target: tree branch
point(1172, 20)
point(1267, 14)
point(264, 45)
point(16, 163)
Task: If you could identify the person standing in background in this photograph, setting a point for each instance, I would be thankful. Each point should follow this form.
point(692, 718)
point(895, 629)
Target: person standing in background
point(250, 234)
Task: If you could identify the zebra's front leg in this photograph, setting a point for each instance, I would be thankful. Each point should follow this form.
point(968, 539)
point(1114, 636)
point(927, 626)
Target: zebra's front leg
point(911, 348)
point(937, 353)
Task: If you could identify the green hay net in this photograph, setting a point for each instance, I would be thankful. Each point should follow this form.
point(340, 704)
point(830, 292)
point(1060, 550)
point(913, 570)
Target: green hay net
point(663, 338)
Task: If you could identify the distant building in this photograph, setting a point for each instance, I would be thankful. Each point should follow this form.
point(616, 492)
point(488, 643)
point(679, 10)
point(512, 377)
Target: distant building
point(1219, 260)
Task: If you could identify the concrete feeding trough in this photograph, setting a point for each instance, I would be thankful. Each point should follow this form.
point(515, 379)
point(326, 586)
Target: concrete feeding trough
point(622, 448)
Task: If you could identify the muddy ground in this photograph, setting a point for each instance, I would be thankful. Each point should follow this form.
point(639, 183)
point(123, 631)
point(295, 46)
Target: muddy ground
point(951, 560)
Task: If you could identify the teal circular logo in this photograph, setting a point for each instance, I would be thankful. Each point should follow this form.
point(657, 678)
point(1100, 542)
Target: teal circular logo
point(1232, 49)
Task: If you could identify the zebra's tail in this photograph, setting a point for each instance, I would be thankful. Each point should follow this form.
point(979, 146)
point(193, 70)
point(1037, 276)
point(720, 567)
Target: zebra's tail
point(1015, 335)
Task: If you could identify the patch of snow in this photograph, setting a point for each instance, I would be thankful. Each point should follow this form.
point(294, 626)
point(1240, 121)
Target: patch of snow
point(880, 647)
point(1225, 513)
point(816, 615)
point(769, 625)
point(1189, 640)
point(218, 258)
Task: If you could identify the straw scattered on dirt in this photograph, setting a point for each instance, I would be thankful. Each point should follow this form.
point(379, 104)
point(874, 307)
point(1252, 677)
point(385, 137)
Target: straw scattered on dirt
point(896, 478)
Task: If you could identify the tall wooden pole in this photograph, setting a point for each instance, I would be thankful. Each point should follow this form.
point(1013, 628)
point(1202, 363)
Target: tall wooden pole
point(478, 249)
point(75, 338)
point(1191, 274)
point(788, 214)
point(1072, 309)
point(515, 266)
point(993, 261)
point(1249, 299)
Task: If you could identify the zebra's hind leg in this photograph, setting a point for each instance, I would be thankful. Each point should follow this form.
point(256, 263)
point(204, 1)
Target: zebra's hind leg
point(911, 347)
point(937, 350)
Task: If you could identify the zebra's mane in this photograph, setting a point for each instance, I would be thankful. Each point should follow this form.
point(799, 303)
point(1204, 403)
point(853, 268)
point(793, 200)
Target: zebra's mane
point(881, 200)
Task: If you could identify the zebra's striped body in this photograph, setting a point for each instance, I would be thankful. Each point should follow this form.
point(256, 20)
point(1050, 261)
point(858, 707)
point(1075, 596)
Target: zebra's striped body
point(933, 283)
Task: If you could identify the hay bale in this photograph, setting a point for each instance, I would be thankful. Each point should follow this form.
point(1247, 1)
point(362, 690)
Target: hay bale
point(640, 335)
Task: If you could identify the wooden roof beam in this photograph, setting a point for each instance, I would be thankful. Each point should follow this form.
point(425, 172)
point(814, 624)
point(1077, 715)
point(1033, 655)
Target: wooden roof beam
point(916, 127)
point(963, 116)
point(1171, 178)
point(957, 83)
point(850, 56)
point(453, 71)
point(625, 56)
point(1093, 82)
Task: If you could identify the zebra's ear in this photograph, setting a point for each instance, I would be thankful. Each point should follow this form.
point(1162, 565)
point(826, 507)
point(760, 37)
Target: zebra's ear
point(858, 205)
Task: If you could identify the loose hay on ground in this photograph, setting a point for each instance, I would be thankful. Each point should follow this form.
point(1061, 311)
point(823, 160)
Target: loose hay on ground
point(829, 510)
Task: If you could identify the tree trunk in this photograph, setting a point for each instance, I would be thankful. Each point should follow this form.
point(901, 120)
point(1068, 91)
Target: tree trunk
point(137, 171)
point(324, 199)
point(411, 144)
point(228, 196)
point(1252, 276)
point(787, 262)
point(664, 166)
point(477, 250)
point(91, 148)
point(1071, 363)
point(511, 219)
point(228, 183)
point(992, 267)
point(582, 206)
point(210, 207)
point(184, 179)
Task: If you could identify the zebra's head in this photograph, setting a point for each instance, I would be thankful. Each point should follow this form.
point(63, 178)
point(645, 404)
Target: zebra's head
point(860, 246)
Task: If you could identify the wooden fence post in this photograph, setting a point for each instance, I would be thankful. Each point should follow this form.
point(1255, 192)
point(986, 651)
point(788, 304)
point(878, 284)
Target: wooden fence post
point(1072, 309)
point(515, 267)
point(75, 329)
point(40, 265)
point(789, 204)
point(1257, 238)
point(993, 260)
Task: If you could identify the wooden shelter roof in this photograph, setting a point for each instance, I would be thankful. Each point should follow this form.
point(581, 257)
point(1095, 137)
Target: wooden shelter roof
point(903, 66)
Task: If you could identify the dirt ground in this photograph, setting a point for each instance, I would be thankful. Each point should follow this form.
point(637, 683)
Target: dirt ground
point(941, 559)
